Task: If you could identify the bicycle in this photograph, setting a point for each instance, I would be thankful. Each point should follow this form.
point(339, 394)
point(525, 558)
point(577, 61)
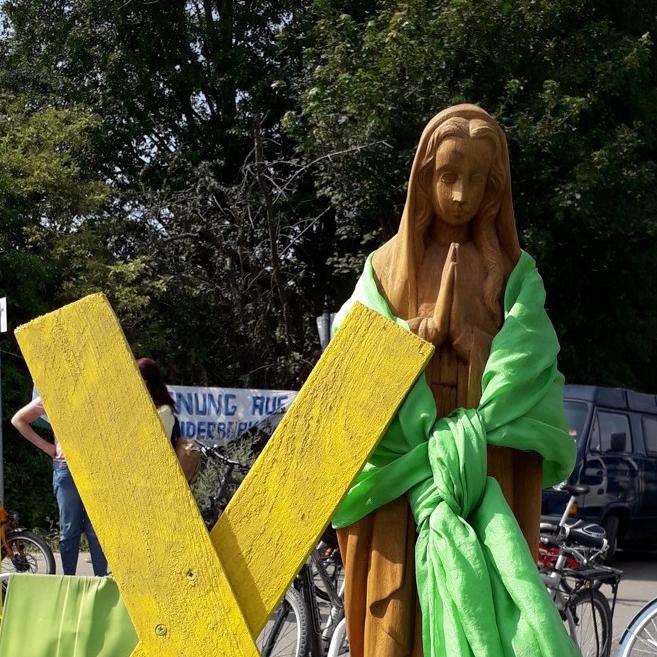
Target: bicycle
point(548, 554)
point(576, 590)
point(310, 619)
point(215, 504)
point(23, 551)
point(322, 585)
point(286, 631)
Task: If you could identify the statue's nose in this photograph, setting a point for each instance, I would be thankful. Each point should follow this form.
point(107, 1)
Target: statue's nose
point(458, 191)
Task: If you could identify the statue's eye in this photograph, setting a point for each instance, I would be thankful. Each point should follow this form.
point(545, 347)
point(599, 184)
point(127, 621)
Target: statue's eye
point(448, 178)
point(478, 178)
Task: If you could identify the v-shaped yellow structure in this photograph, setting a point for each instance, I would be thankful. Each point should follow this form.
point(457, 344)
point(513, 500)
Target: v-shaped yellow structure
point(189, 593)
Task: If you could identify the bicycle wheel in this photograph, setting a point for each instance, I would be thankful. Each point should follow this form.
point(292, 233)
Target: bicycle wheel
point(31, 554)
point(286, 632)
point(339, 644)
point(591, 618)
point(640, 637)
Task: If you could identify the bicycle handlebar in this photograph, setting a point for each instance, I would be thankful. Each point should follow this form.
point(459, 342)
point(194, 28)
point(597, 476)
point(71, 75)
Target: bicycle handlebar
point(214, 452)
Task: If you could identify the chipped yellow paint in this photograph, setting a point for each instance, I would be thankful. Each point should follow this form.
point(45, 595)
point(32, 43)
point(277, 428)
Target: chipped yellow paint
point(169, 574)
point(280, 510)
point(182, 595)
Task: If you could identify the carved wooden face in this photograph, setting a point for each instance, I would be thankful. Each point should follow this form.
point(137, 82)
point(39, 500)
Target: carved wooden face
point(461, 171)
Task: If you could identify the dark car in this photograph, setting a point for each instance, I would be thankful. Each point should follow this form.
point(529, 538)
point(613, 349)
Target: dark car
point(616, 435)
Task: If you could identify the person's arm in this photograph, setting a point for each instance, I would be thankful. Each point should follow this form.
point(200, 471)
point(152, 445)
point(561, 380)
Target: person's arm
point(22, 420)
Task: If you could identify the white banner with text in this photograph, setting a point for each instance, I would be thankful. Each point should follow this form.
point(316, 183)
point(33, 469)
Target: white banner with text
point(224, 413)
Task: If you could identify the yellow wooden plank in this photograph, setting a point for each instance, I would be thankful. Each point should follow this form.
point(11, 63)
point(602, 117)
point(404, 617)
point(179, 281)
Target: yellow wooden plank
point(169, 574)
point(336, 420)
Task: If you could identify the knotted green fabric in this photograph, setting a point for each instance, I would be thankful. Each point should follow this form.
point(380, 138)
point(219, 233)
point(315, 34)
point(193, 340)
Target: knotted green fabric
point(479, 589)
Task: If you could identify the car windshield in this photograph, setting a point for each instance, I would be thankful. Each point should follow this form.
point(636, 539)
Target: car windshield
point(576, 413)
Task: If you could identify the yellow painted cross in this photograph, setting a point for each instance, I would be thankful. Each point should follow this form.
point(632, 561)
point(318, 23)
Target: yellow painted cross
point(189, 593)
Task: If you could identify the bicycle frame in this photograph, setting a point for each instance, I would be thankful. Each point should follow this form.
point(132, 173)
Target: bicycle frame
point(560, 600)
point(581, 556)
point(215, 504)
point(308, 590)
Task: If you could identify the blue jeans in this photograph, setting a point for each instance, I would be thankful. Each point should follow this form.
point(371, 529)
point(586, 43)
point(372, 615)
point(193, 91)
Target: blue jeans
point(73, 520)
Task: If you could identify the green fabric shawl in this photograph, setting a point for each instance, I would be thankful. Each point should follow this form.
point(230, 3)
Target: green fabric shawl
point(478, 585)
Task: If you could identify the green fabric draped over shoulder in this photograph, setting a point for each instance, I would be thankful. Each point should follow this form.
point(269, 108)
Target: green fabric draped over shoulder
point(479, 588)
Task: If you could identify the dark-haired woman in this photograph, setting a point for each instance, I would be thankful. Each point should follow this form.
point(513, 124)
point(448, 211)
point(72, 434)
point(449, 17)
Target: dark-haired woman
point(186, 450)
point(154, 380)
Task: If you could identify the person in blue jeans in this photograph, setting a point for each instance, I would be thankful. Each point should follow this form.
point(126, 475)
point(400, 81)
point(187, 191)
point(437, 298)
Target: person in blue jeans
point(73, 518)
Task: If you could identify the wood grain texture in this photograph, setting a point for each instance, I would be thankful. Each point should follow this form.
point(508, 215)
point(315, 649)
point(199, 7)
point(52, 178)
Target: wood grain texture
point(169, 574)
point(187, 595)
point(334, 424)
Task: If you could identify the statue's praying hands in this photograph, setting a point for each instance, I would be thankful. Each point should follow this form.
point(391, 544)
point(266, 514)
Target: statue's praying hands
point(437, 328)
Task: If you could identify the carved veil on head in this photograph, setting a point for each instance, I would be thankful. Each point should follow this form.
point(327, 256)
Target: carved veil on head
point(493, 228)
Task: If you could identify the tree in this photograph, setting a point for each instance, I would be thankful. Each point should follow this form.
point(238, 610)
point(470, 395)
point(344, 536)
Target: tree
point(573, 85)
point(219, 167)
point(42, 190)
point(181, 91)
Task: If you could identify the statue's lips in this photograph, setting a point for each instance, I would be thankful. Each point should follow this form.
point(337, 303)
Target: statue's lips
point(459, 214)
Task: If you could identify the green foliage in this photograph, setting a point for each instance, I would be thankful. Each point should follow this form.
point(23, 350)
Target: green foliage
point(572, 83)
point(28, 482)
point(40, 155)
point(184, 241)
point(43, 191)
point(220, 168)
